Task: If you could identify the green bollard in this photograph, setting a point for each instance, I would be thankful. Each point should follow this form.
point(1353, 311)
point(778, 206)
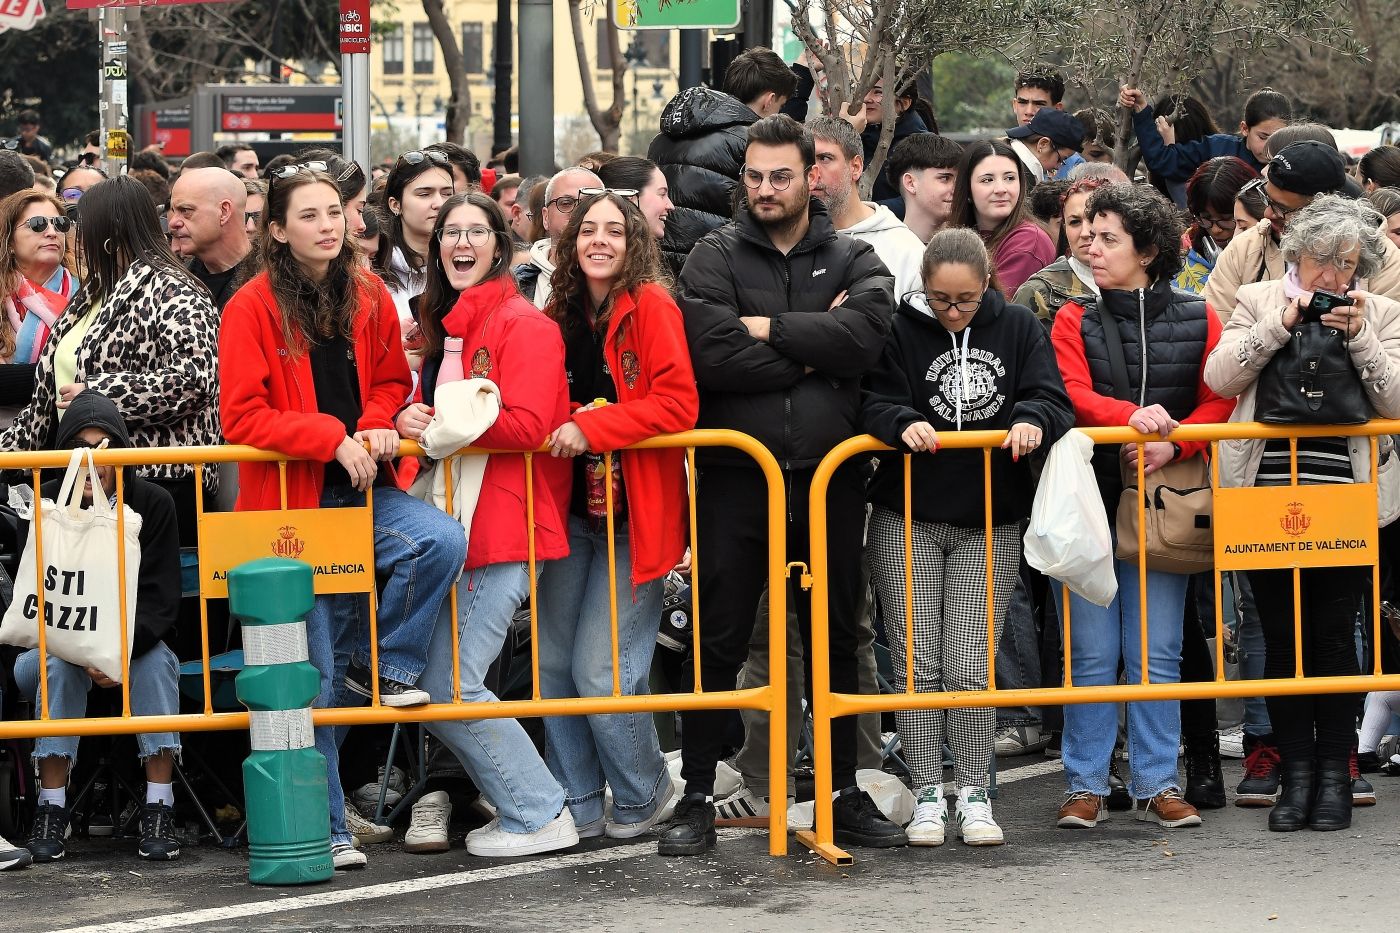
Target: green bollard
point(284, 778)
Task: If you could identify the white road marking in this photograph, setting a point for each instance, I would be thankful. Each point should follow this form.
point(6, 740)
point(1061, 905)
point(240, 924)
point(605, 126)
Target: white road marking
point(1026, 772)
point(376, 891)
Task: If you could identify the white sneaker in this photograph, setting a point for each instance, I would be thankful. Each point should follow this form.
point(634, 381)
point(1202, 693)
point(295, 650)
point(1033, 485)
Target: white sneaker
point(617, 830)
point(365, 832)
point(346, 857)
point(929, 825)
point(593, 829)
point(366, 798)
point(1232, 743)
point(974, 815)
point(13, 856)
point(490, 841)
point(428, 830)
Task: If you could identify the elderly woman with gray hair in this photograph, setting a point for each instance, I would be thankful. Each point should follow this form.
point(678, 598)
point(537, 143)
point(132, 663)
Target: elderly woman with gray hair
point(1333, 245)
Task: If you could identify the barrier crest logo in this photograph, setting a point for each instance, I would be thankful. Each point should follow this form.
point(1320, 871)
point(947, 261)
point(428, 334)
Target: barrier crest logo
point(1294, 520)
point(288, 544)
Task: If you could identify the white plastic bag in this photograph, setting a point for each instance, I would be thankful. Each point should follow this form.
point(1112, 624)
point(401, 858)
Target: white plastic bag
point(82, 589)
point(1068, 538)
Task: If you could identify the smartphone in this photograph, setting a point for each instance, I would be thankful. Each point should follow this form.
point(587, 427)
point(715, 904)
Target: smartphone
point(1323, 302)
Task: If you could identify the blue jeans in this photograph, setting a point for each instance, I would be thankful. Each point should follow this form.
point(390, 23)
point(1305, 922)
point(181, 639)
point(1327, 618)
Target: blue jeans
point(155, 691)
point(575, 628)
point(418, 553)
point(1100, 639)
point(411, 540)
point(497, 753)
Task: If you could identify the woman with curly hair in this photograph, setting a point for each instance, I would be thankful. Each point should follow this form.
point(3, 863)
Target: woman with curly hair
point(1165, 336)
point(630, 378)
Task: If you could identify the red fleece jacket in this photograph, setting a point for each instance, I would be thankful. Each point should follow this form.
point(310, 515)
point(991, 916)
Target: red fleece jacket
point(649, 359)
point(267, 398)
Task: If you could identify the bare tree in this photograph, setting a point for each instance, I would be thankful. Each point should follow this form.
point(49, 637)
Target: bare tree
point(607, 122)
point(860, 43)
point(459, 102)
point(1160, 47)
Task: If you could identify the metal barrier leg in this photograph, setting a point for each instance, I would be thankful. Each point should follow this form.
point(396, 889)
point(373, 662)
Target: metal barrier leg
point(822, 838)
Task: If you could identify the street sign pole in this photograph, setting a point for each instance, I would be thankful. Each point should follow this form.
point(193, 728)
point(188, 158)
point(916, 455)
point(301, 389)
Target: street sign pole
point(354, 80)
point(116, 141)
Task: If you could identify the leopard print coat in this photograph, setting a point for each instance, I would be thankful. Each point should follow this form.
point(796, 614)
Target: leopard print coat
point(150, 349)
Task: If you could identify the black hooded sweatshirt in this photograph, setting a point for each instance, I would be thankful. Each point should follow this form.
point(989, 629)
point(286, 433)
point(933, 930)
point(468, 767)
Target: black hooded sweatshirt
point(998, 371)
point(158, 586)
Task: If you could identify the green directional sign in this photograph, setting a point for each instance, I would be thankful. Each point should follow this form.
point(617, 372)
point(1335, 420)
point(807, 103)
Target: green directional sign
point(675, 14)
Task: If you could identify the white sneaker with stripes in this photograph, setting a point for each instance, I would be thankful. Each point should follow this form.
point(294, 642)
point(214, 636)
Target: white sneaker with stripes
point(929, 825)
point(974, 816)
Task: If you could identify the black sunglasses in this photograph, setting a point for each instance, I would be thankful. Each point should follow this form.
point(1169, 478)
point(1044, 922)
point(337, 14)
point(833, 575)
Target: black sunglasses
point(40, 224)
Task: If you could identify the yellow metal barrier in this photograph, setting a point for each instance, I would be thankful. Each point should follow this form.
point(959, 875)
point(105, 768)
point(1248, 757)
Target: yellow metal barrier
point(827, 706)
point(355, 521)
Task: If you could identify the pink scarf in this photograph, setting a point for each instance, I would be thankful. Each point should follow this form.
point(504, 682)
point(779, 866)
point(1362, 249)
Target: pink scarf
point(31, 312)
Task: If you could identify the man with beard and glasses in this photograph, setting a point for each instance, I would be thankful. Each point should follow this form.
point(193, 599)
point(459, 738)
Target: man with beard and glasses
point(784, 316)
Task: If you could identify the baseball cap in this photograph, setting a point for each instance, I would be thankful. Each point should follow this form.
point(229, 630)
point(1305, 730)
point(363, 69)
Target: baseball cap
point(1059, 127)
point(1308, 168)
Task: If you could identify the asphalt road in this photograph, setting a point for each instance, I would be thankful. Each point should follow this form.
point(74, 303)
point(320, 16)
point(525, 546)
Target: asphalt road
point(1230, 874)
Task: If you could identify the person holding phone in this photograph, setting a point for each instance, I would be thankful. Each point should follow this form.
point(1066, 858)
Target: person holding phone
point(1330, 247)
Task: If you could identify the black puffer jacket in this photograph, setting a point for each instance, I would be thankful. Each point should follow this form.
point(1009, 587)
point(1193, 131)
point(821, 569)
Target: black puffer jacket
point(700, 150)
point(765, 389)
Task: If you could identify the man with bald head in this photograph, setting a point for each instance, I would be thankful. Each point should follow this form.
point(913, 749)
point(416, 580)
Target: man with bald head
point(560, 199)
point(207, 227)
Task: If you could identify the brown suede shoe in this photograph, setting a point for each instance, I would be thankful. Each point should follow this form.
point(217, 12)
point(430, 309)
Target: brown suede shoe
point(1082, 810)
point(1168, 809)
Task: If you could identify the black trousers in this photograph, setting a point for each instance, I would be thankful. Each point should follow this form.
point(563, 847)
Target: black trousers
point(1322, 726)
point(1198, 719)
point(732, 571)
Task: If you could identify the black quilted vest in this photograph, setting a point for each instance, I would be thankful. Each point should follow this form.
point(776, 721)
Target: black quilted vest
point(1160, 326)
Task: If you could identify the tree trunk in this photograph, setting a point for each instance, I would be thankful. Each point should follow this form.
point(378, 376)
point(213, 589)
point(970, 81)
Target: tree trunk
point(608, 123)
point(888, 118)
point(1122, 151)
point(459, 104)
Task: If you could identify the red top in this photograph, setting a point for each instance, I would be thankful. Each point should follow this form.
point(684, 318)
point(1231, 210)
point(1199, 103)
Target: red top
point(514, 345)
point(267, 398)
point(1025, 251)
point(1092, 410)
point(656, 394)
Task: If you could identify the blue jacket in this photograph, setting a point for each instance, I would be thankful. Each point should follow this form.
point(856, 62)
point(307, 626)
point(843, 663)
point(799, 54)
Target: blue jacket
point(1177, 162)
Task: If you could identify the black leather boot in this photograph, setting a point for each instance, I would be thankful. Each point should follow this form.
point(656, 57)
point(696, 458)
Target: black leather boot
point(1290, 813)
point(1205, 786)
point(1331, 809)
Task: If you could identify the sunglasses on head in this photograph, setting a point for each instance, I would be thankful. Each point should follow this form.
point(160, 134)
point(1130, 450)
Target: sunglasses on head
point(288, 171)
point(628, 194)
point(40, 224)
point(417, 156)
